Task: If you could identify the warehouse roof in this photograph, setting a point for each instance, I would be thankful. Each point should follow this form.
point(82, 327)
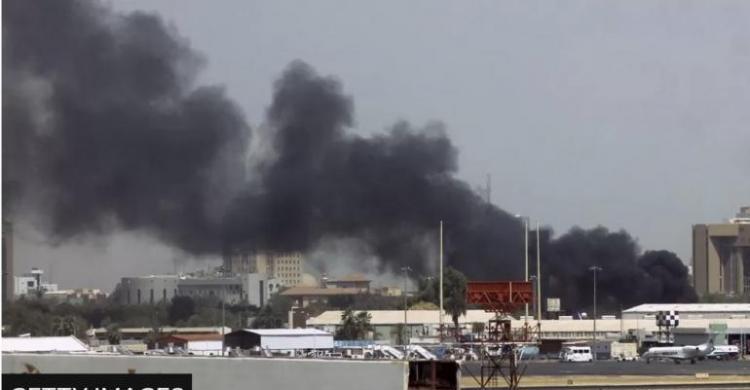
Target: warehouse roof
point(690, 307)
point(391, 317)
point(287, 332)
point(43, 344)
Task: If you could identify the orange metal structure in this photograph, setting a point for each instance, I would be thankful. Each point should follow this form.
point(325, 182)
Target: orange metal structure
point(500, 297)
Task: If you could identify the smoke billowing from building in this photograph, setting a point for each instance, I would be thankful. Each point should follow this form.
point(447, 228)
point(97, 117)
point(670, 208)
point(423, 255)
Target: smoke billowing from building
point(105, 130)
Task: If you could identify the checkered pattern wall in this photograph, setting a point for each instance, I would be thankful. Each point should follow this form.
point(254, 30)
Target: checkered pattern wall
point(668, 319)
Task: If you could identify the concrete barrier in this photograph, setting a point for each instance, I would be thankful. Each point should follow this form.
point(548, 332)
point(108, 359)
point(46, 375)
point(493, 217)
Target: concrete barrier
point(211, 373)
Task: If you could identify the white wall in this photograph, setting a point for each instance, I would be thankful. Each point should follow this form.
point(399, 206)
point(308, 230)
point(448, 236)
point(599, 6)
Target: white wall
point(216, 373)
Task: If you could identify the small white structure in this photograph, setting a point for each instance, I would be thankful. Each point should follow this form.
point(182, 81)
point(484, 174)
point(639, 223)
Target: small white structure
point(204, 347)
point(690, 310)
point(43, 344)
point(279, 339)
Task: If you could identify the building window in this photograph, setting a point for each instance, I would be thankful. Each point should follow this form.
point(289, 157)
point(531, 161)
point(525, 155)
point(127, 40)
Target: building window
point(151, 296)
point(164, 295)
point(139, 296)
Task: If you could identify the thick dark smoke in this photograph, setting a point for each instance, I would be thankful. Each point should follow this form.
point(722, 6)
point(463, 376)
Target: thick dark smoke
point(104, 130)
point(389, 190)
point(626, 278)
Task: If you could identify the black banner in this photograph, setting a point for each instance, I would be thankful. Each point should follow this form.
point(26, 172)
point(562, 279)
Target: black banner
point(98, 381)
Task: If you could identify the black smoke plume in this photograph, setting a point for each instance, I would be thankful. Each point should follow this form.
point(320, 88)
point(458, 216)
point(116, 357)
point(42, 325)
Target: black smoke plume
point(105, 130)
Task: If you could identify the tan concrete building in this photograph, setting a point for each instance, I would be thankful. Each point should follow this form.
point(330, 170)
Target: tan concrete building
point(286, 268)
point(721, 256)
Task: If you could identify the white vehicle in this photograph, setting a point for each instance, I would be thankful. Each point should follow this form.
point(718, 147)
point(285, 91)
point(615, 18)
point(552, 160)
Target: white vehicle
point(624, 352)
point(689, 353)
point(724, 352)
point(575, 354)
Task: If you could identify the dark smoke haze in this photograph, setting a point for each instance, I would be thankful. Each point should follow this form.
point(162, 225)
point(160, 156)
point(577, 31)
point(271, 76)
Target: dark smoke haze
point(104, 130)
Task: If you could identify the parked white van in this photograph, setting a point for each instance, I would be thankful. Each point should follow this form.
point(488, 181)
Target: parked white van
point(576, 354)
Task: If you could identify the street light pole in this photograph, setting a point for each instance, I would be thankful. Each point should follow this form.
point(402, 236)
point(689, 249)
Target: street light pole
point(526, 259)
point(224, 296)
point(406, 278)
point(538, 277)
point(595, 269)
point(441, 281)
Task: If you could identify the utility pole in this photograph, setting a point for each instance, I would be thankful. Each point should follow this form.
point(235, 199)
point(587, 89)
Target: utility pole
point(441, 281)
point(406, 278)
point(538, 277)
point(526, 259)
point(595, 269)
point(223, 319)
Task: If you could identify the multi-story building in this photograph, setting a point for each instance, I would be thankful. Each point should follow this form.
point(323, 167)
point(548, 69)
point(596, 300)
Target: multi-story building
point(286, 268)
point(251, 288)
point(147, 289)
point(31, 284)
point(227, 289)
point(721, 256)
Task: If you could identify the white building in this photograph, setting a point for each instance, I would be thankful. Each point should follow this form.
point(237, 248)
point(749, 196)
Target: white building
point(279, 339)
point(29, 284)
point(43, 344)
point(690, 310)
point(154, 289)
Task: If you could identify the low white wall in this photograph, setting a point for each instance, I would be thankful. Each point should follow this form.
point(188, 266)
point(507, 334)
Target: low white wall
point(211, 373)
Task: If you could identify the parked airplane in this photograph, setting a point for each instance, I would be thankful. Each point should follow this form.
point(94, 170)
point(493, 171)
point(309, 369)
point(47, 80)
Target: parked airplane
point(679, 354)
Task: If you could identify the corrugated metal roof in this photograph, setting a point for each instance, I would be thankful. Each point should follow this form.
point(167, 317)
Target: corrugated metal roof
point(42, 344)
point(288, 332)
point(690, 307)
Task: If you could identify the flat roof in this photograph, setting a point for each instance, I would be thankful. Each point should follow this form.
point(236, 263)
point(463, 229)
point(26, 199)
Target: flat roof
point(288, 332)
point(355, 277)
point(391, 317)
point(43, 344)
point(690, 307)
point(320, 291)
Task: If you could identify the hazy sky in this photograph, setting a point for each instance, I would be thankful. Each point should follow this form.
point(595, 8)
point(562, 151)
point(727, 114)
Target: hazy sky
point(630, 114)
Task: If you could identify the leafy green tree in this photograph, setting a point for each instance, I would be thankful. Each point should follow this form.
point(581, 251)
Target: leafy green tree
point(347, 330)
point(454, 288)
point(354, 326)
point(362, 321)
point(180, 309)
point(65, 326)
point(454, 292)
point(113, 334)
point(266, 319)
point(275, 313)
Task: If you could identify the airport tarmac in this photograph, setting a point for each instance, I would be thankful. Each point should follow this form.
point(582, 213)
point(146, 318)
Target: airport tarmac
point(608, 367)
